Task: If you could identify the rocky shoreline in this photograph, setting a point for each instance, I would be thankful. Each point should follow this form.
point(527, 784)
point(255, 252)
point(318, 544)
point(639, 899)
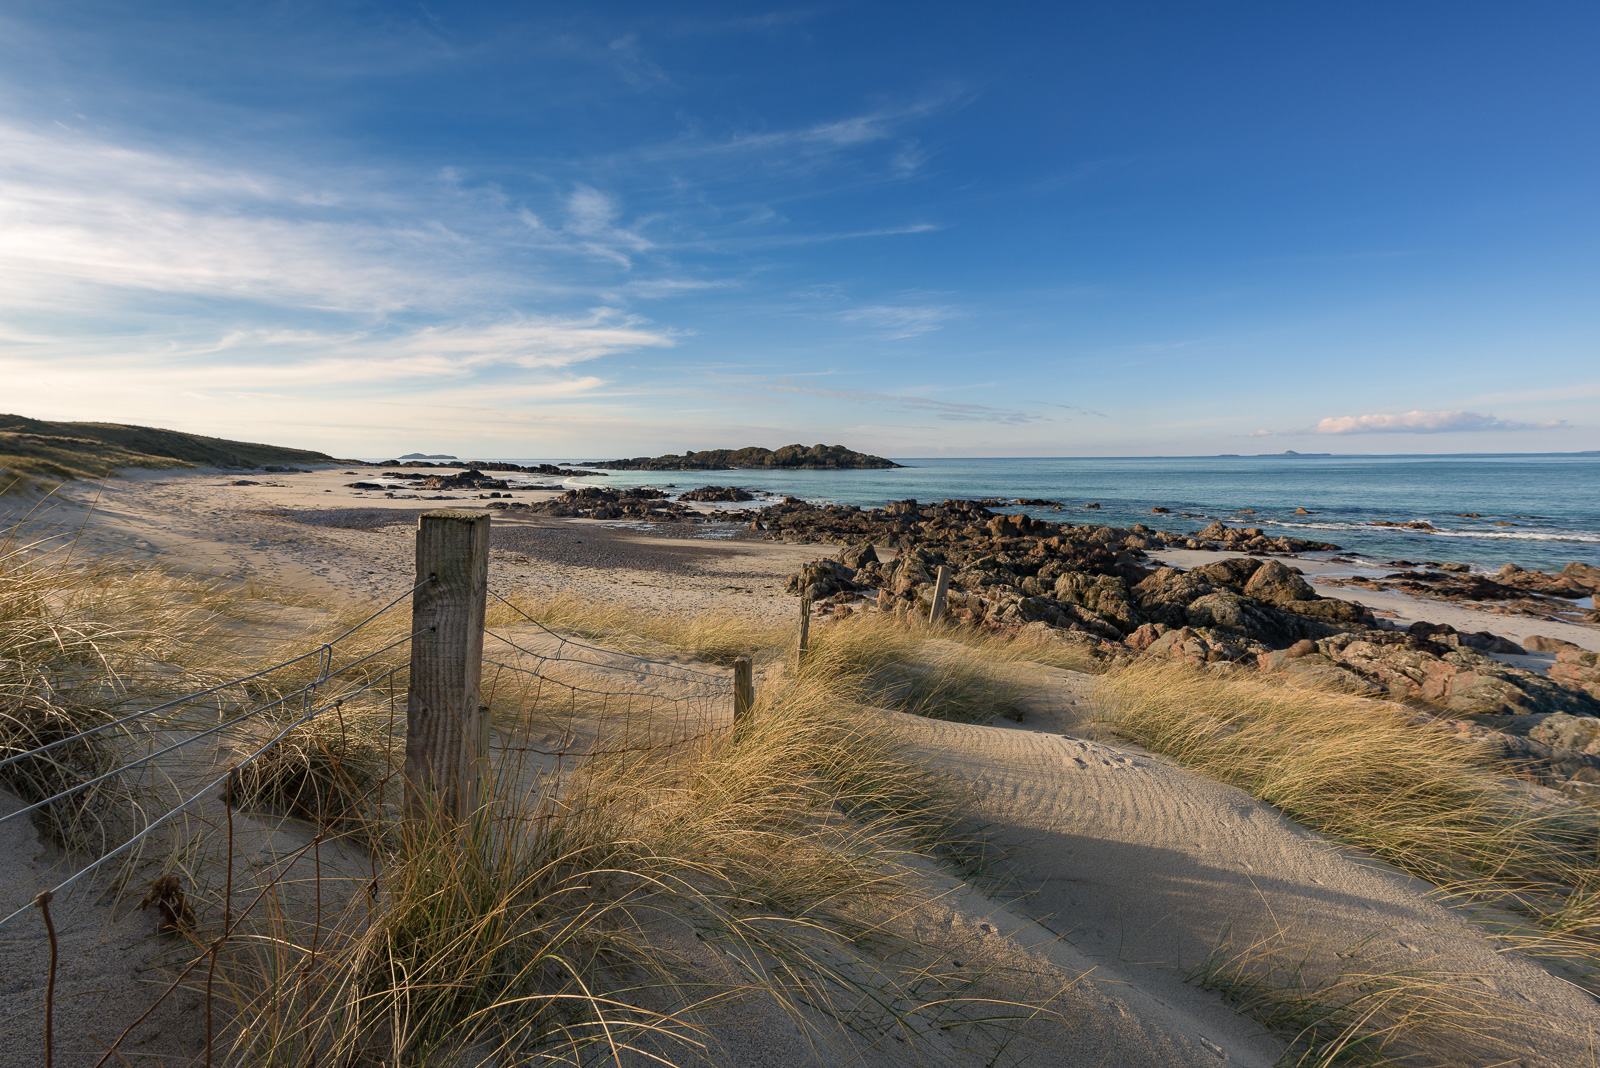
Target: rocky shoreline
point(1097, 589)
point(789, 457)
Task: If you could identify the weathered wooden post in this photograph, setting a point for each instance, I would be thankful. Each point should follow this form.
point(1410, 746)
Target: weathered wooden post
point(447, 729)
point(805, 625)
point(941, 590)
point(744, 690)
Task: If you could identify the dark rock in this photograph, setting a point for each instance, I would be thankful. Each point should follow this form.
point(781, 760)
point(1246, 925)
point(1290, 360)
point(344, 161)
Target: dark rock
point(1538, 643)
point(1242, 616)
point(1105, 595)
point(816, 458)
point(859, 556)
point(1235, 571)
point(1165, 596)
point(1585, 575)
point(717, 493)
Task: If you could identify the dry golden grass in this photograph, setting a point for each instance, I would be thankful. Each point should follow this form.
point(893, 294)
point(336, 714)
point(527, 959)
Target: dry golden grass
point(710, 636)
point(537, 932)
point(1379, 1009)
point(543, 931)
point(81, 643)
point(910, 667)
point(1367, 773)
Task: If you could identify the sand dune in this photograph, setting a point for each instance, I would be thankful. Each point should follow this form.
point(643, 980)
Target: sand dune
point(1121, 867)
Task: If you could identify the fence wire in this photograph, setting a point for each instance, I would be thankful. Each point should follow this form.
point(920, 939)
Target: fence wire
point(556, 700)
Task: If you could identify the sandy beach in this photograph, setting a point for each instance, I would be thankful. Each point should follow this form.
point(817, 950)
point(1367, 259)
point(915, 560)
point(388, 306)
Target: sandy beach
point(1122, 870)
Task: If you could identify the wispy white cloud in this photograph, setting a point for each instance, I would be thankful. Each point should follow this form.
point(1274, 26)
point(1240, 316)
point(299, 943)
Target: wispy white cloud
point(1423, 423)
point(79, 214)
point(899, 321)
point(946, 411)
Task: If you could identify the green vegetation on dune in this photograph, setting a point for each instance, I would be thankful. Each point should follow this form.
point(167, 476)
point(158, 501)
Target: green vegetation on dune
point(92, 450)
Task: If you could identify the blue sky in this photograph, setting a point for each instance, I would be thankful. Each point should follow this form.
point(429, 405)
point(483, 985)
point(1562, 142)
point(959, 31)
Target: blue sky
point(915, 229)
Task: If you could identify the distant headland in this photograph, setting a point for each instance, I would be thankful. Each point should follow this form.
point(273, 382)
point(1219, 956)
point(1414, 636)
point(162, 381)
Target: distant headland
point(91, 450)
point(427, 456)
point(790, 457)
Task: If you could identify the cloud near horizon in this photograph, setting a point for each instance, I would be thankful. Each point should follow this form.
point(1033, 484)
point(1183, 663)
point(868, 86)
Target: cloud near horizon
point(1416, 423)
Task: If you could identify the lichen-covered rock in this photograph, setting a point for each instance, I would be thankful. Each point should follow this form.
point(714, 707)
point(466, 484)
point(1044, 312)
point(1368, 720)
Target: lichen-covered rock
point(1243, 616)
point(1203, 645)
point(1579, 669)
point(1581, 733)
point(822, 578)
point(1235, 571)
point(1165, 596)
point(1332, 611)
point(1459, 679)
point(1276, 583)
point(859, 556)
point(1105, 595)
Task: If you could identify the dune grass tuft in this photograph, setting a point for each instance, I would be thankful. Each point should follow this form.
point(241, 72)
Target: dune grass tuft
point(1371, 774)
point(911, 667)
point(1374, 1012)
point(612, 912)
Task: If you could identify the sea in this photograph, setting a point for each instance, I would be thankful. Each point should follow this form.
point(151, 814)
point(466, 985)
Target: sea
point(1537, 511)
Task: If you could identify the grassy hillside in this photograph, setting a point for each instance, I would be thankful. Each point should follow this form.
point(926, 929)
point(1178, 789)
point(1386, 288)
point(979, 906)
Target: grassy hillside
point(90, 450)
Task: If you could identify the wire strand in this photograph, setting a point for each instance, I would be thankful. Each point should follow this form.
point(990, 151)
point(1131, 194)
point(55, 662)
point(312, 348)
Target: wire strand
point(718, 680)
point(215, 689)
point(124, 847)
point(205, 733)
point(600, 693)
point(595, 648)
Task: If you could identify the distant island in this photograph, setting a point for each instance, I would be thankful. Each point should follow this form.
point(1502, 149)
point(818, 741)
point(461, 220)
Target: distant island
point(92, 450)
point(790, 457)
point(427, 456)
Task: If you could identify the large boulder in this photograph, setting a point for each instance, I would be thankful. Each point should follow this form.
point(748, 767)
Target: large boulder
point(1165, 596)
point(1333, 611)
point(1235, 571)
point(859, 556)
point(1243, 616)
point(1569, 732)
point(1204, 645)
point(822, 578)
point(1461, 680)
point(1579, 669)
point(1585, 575)
point(1104, 595)
point(1275, 582)
point(912, 568)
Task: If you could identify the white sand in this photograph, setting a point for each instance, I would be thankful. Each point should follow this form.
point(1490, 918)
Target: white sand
point(1143, 867)
point(1121, 865)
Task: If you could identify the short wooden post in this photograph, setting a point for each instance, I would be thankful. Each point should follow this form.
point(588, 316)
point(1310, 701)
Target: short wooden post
point(805, 625)
point(447, 729)
point(941, 590)
point(744, 690)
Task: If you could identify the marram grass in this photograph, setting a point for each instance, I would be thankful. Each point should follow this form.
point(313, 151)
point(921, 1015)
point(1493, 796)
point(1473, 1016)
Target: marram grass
point(1379, 777)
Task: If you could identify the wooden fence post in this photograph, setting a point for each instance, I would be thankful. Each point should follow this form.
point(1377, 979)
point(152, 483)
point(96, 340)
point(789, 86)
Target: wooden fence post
point(941, 590)
point(805, 625)
point(447, 729)
point(744, 690)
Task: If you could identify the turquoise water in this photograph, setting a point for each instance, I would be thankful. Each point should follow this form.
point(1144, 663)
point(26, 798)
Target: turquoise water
point(1551, 501)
